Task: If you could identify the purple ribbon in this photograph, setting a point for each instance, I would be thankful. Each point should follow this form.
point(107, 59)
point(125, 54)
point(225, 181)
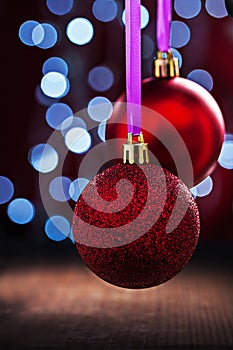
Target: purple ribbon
point(164, 14)
point(133, 65)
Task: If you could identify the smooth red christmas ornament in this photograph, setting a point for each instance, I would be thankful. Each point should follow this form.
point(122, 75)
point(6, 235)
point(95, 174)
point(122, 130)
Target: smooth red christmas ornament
point(191, 110)
point(136, 226)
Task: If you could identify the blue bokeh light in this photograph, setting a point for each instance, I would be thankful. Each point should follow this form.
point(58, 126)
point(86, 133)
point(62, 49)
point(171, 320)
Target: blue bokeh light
point(59, 188)
point(80, 31)
point(187, 9)
point(148, 46)
point(76, 188)
point(21, 211)
point(55, 64)
point(72, 122)
point(180, 34)
point(201, 77)
point(100, 109)
point(71, 236)
point(105, 10)
point(100, 78)
point(216, 8)
point(6, 189)
point(43, 157)
point(57, 113)
point(25, 32)
point(44, 36)
point(57, 228)
point(55, 85)
point(60, 7)
point(177, 55)
point(42, 99)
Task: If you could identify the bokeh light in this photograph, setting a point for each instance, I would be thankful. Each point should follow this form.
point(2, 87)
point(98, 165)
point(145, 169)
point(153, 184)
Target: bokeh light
point(80, 31)
point(78, 140)
point(202, 77)
point(55, 64)
point(226, 156)
point(43, 157)
point(21, 211)
point(177, 55)
point(44, 36)
point(71, 236)
point(25, 32)
point(54, 84)
point(180, 34)
point(145, 17)
point(100, 78)
point(102, 131)
point(57, 114)
point(187, 9)
point(100, 109)
point(42, 99)
point(72, 122)
point(57, 228)
point(6, 189)
point(76, 188)
point(59, 188)
point(203, 188)
point(104, 10)
point(216, 8)
point(60, 7)
point(148, 46)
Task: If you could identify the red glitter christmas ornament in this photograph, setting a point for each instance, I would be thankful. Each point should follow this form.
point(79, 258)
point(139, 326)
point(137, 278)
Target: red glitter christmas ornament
point(188, 108)
point(136, 226)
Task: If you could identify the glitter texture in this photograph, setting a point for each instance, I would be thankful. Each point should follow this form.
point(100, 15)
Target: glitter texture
point(141, 252)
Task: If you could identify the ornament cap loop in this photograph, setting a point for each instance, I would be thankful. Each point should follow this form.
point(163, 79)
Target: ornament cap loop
point(166, 66)
point(135, 152)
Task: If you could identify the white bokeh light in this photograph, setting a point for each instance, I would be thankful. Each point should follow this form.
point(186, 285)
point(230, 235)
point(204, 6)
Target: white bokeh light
point(226, 156)
point(145, 17)
point(80, 31)
point(54, 84)
point(78, 140)
point(100, 109)
point(204, 188)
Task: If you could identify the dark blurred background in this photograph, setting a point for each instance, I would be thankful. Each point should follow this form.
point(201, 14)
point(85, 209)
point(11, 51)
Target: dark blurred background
point(23, 118)
point(58, 303)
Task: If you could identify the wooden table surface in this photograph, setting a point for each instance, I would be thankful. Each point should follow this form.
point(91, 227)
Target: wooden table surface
point(60, 304)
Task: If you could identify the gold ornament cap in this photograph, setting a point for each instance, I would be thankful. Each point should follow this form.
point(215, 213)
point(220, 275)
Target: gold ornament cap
point(135, 152)
point(166, 66)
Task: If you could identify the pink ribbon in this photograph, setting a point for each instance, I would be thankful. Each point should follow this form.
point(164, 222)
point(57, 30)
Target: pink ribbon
point(164, 14)
point(133, 65)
